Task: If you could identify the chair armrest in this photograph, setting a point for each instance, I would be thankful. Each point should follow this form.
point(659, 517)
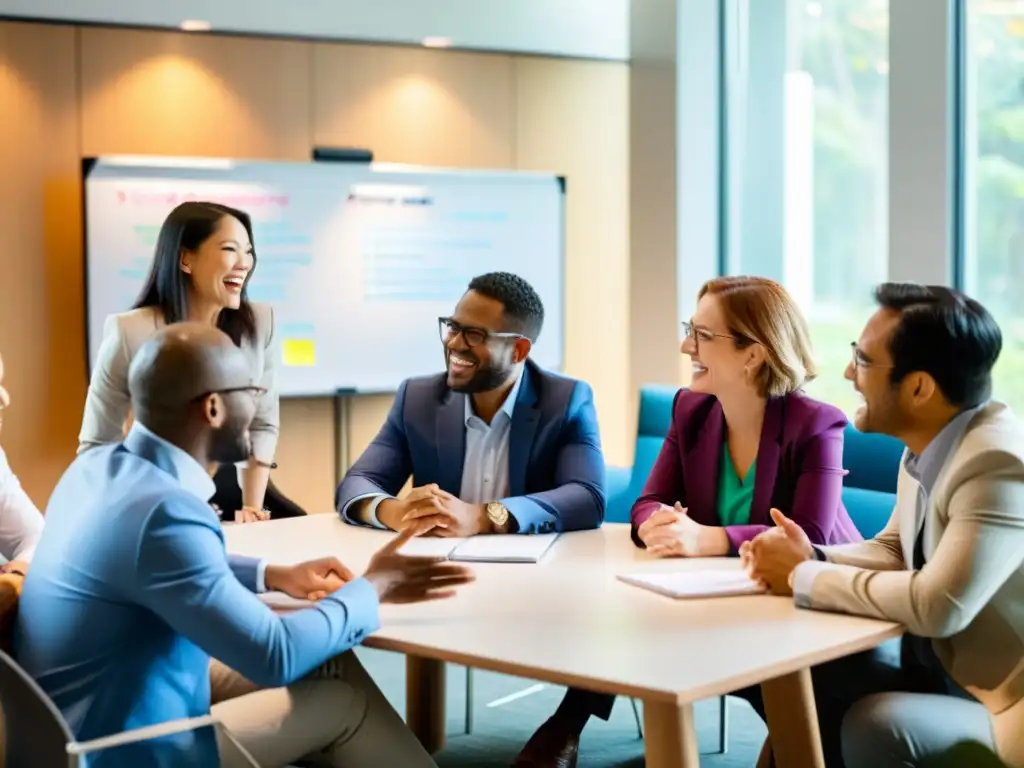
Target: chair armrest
point(145, 733)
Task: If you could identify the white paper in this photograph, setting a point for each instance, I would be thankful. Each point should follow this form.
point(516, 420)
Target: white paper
point(430, 546)
point(690, 584)
point(511, 548)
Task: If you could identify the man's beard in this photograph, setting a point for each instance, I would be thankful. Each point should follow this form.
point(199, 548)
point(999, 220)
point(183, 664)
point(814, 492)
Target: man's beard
point(884, 415)
point(230, 443)
point(484, 380)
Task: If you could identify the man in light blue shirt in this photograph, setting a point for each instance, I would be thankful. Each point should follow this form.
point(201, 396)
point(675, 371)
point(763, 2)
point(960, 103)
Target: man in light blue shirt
point(495, 444)
point(131, 591)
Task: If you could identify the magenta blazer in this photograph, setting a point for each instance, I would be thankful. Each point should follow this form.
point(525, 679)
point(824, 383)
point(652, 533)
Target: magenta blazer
point(799, 468)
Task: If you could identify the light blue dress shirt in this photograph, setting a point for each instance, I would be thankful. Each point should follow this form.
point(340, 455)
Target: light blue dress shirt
point(131, 592)
point(485, 464)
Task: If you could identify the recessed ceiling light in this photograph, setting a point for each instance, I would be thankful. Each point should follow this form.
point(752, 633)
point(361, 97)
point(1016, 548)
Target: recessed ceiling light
point(196, 25)
point(437, 42)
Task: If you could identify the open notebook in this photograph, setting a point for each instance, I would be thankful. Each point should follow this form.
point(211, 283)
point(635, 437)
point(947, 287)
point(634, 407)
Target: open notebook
point(484, 549)
point(695, 584)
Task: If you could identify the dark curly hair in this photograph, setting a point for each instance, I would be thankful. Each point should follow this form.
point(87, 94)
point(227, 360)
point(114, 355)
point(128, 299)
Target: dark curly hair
point(524, 311)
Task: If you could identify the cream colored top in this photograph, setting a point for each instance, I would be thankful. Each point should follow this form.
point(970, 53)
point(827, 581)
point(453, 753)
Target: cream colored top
point(969, 596)
point(108, 404)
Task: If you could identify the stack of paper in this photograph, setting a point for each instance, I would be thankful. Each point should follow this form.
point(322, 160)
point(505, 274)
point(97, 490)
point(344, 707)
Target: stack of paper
point(691, 584)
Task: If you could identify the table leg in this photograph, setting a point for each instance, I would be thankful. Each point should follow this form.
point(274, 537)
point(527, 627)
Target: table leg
point(670, 738)
point(793, 721)
point(425, 701)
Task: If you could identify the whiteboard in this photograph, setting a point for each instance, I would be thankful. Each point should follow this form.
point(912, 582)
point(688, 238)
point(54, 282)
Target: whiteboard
point(357, 260)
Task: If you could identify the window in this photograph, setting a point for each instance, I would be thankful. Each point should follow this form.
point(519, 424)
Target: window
point(806, 158)
point(994, 178)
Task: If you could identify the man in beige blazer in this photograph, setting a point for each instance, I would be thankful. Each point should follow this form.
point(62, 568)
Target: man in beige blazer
point(949, 565)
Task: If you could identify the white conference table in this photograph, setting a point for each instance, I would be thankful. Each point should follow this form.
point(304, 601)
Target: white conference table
point(568, 621)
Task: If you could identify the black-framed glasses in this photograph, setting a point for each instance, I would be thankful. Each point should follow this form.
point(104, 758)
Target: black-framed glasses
point(860, 360)
point(473, 337)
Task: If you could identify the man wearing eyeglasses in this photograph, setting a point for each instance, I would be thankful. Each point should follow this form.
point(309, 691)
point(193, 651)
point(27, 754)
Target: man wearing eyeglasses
point(949, 565)
point(131, 593)
point(494, 445)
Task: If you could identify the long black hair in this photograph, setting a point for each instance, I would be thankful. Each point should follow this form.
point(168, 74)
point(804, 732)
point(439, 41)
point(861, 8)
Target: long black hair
point(186, 228)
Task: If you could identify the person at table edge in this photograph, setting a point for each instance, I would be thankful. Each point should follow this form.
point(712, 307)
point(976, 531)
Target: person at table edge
point(21, 524)
point(948, 566)
point(496, 444)
point(743, 439)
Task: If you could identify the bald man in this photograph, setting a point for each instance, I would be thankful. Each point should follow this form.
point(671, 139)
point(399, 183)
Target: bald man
point(131, 593)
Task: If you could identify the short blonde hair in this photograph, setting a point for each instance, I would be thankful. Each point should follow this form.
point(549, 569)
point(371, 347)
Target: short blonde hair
point(759, 310)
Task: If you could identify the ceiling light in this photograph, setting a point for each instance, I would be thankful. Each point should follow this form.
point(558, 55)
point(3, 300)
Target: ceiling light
point(437, 42)
point(196, 25)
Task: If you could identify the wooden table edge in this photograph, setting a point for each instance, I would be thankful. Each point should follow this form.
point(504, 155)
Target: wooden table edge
point(727, 685)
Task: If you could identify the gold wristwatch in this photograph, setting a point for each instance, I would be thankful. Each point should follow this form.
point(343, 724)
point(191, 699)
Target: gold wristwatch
point(497, 513)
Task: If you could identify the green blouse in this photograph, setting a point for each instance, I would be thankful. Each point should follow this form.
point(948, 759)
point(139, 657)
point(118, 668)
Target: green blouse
point(734, 495)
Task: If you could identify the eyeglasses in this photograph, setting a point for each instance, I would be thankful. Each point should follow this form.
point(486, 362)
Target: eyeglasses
point(473, 337)
point(252, 390)
point(860, 360)
point(703, 334)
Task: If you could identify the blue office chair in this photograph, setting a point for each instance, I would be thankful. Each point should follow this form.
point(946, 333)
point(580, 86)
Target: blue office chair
point(625, 484)
point(872, 462)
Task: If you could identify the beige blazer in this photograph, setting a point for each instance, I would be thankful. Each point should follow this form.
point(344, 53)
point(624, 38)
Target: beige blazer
point(969, 597)
point(107, 404)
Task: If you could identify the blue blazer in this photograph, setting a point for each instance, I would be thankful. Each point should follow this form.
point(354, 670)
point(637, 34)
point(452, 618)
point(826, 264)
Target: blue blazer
point(130, 593)
point(556, 468)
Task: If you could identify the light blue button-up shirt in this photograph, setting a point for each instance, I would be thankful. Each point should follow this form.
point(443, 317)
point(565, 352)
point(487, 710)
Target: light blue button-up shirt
point(485, 464)
point(131, 592)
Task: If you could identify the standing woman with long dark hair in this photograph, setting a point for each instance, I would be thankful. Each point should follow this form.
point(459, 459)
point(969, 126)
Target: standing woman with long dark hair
point(203, 262)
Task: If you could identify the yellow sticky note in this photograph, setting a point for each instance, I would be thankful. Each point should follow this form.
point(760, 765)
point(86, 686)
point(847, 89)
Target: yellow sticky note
point(299, 352)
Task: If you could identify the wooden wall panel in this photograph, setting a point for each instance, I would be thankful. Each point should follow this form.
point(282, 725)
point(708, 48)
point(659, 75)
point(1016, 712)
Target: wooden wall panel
point(412, 105)
point(41, 308)
point(573, 119)
point(171, 93)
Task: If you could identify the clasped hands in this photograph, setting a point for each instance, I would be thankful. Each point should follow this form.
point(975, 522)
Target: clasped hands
point(245, 514)
point(434, 512)
point(771, 557)
point(671, 532)
point(397, 578)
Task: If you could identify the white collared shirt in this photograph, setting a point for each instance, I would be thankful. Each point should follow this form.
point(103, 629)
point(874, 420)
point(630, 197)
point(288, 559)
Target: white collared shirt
point(21, 524)
point(485, 465)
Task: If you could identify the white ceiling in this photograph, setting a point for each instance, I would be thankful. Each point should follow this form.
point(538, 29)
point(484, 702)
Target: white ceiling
point(576, 28)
